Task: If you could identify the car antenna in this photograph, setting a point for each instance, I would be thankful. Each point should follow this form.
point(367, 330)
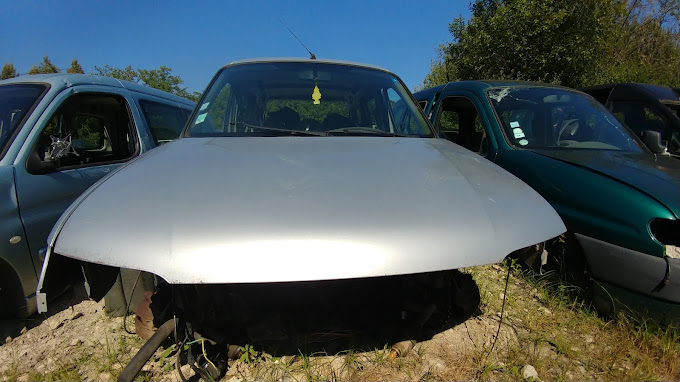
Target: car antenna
point(311, 55)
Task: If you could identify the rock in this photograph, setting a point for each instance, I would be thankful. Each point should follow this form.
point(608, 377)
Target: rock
point(582, 370)
point(8, 339)
point(76, 342)
point(436, 365)
point(56, 325)
point(76, 315)
point(23, 330)
point(589, 339)
point(529, 373)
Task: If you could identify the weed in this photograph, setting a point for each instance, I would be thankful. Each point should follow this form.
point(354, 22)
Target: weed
point(248, 354)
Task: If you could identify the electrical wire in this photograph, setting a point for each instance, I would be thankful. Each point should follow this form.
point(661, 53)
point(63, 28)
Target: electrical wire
point(500, 320)
point(205, 355)
point(128, 301)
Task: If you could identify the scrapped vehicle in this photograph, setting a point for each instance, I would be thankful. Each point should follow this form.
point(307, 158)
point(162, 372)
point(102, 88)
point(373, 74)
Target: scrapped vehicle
point(618, 201)
point(313, 187)
point(59, 134)
point(650, 111)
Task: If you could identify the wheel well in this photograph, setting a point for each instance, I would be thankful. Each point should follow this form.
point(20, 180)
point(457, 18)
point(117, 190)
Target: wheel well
point(11, 296)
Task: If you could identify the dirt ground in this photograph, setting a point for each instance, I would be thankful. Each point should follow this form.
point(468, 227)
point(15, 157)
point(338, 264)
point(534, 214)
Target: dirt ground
point(79, 342)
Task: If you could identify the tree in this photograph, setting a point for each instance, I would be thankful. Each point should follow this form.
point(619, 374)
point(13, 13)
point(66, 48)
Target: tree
point(569, 42)
point(75, 67)
point(126, 74)
point(8, 71)
point(160, 78)
point(45, 67)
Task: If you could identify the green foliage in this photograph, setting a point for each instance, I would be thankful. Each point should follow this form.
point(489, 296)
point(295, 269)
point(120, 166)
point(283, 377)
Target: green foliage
point(248, 354)
point(125, 74)
point(8, 71)
point(569, 42)
point(308, 110)
point(75, 67)
point(46, 66)
point(160, 78)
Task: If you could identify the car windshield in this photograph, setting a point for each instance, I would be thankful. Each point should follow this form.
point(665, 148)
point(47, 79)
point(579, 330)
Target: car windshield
point(543, 117)
point(307, 99)
point(16, 101)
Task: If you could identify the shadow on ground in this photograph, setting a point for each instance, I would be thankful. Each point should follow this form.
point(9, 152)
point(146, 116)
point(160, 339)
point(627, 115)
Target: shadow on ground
point(13, 327)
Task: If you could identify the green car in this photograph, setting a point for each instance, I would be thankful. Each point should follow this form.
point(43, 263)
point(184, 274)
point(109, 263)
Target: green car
point(619, 201)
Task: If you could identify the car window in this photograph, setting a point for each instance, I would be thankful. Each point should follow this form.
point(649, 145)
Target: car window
point(272, 99)
point(544, 117)
point(87, 129)
point(639, 117)
point(16, 100)
point(460, 123)
point(165, 121)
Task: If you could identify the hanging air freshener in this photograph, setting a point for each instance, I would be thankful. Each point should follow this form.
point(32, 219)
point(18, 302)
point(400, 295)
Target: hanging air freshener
point(316, 95)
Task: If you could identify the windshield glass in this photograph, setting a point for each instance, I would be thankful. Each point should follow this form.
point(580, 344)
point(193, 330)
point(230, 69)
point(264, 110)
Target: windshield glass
point(541, 117)
point(15, 102)
point(307, 99)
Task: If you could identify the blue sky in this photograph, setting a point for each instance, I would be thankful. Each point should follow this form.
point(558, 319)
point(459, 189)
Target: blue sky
point(196, 38)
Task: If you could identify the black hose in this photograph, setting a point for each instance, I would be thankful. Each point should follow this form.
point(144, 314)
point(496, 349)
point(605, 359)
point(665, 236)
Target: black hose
point(143, 355)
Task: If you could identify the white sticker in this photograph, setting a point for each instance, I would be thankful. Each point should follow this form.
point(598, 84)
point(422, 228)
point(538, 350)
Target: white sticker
point(204, 106)
point(518, 133)
point(200, 118)
point(514, 124)
point(523, 142)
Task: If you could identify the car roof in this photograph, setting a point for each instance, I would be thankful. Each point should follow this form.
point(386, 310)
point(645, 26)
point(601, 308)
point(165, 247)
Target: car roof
point(655, 91)
point(481, 85)
point(62, 81)
point(305, 60)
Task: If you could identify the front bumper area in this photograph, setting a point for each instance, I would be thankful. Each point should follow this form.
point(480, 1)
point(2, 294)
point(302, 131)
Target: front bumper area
point(633, 271)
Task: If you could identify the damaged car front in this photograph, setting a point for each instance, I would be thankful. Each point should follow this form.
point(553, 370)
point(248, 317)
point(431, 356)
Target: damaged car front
point(298, 186)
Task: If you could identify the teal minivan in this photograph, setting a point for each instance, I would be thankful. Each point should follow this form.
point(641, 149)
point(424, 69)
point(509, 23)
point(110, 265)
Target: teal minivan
point(619, 201)
point(59, 134)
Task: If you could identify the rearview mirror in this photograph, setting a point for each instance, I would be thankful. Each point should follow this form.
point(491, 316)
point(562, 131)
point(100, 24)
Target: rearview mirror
point(652, 139)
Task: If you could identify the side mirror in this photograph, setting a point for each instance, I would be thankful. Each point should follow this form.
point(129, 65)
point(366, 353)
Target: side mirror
point(36, 166)
point(652, 139)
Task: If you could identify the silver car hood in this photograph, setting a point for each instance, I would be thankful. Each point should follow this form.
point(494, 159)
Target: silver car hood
point(242, 210)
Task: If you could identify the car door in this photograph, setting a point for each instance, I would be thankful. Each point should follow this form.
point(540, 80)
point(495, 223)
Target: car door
point(83, 135)
point(641, 112)
point(459, 116)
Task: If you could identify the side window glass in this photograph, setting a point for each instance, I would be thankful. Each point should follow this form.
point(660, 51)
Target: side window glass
point(87, 129)
point(422, 104)
point(639, 117)
point(165, 121)
point(460, 122)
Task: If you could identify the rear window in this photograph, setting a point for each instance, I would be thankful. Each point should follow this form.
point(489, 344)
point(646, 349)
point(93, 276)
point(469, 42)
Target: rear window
point(165, 121)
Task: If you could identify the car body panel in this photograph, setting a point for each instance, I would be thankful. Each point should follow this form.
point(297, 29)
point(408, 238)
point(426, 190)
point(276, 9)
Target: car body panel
point(610, 197)
point(328, 208)
point(39, 199)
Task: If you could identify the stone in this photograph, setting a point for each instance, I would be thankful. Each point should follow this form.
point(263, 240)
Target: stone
point(8, 339)
point(582, 370)
point(529, 373)
point(76, 315)
point(56, 325)
point(76, 342)
point(436, 365)
point(23, 330)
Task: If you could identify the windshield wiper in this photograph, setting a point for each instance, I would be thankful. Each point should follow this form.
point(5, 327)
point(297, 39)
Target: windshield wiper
point(278, 130)
point(365, 130)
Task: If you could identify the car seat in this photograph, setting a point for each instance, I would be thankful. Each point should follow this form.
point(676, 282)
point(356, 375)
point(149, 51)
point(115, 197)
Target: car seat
point(284, 118)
